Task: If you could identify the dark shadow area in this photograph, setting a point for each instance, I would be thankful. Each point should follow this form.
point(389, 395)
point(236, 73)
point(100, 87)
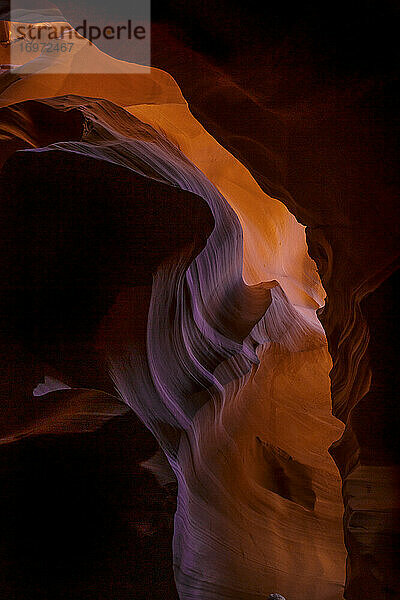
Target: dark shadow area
point(80, 519)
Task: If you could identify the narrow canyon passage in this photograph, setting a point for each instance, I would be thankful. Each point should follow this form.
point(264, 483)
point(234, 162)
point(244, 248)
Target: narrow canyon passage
point(208, 321)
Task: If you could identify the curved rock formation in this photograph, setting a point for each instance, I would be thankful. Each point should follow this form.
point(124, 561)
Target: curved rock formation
point(203, 314)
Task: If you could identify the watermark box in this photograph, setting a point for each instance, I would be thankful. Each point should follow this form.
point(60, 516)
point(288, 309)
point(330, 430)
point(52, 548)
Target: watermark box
point(75, 36)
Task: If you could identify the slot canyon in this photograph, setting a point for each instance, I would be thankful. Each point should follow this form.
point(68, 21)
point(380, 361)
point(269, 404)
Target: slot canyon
point(199, 356)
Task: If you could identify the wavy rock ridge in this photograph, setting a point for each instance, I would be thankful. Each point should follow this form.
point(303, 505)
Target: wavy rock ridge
point(211, 335)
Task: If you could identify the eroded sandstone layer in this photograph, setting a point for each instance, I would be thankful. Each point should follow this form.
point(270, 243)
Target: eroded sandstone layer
point(203, 314)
